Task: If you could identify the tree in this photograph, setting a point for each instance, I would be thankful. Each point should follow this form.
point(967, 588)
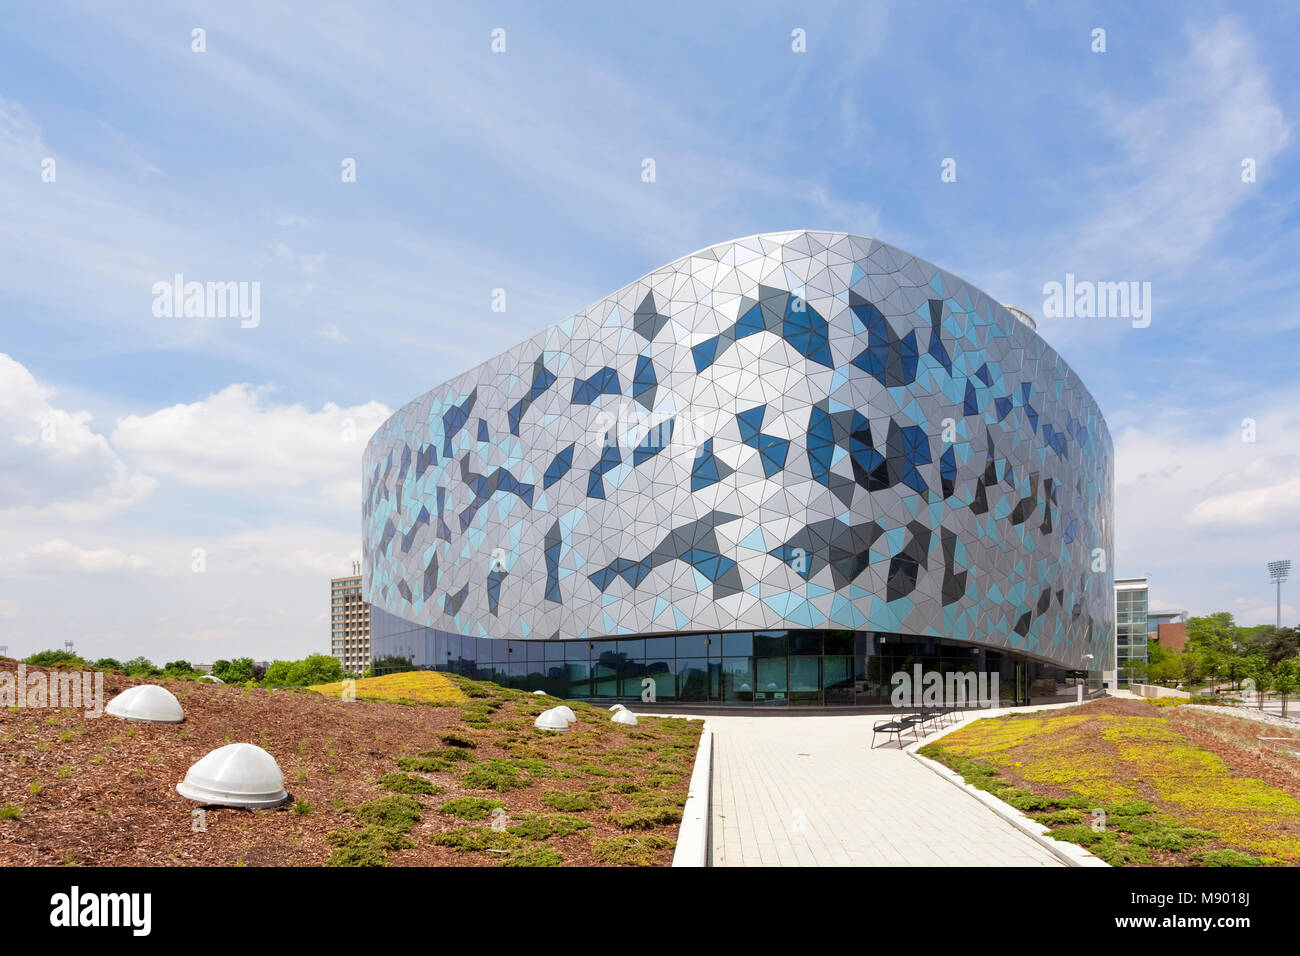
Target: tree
point(237, 671)
point(1264, 682)
point(316, 669)
point(313, 669)
point(140, 667)
point(178, 669)
point(1216, 632)
point(1284, 681)
point(277, 675)
point(1280, 644)
point(1165, 671)
point(55, 659)
point(108, 664)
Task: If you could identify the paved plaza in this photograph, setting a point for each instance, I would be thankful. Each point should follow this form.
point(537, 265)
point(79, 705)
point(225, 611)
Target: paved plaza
point(810, 791)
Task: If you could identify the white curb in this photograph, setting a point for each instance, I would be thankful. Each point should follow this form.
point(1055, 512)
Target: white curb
point(693, 835)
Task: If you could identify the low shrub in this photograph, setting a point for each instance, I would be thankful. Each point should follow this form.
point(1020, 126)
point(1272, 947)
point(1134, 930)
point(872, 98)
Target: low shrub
point(645, 818)
point(534, 856)
point(571, 801)
point(470, 808)
point(468, 839)
point(543, 826)
point(368, 846)
point(497, 774)
point(1225, 858)
point(630, 850)
point(398, 812)
point(406, 783)
point(1059, 817)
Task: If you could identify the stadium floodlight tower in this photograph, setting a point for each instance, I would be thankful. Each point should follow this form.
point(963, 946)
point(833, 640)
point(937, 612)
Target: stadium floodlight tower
point(1278, 571)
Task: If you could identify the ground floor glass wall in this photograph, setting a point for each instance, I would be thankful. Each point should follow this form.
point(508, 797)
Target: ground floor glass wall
point(780, 668)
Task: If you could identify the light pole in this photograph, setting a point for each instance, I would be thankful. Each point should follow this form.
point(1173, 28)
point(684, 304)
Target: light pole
point(1278, 571)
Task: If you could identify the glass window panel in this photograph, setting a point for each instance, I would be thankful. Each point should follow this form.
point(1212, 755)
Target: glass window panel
point(630, 682)
point(769, 677)
point(692, 645)
point(837, 680)
point(805, 643)
point(500, 651)
point(579, 679)
point(575, 650)
point(664, 648)
point(771, 644)
point(604, 650)
point(664, 674)
point(604, 674)
point(740, 644)
point(693, 679)
point(634, 649)
point(838, 642)
point(554, 650)
point(738, 679)
point(805, 673)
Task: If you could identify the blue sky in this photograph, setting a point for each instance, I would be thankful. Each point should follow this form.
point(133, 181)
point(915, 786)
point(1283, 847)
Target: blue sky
point(522, 170)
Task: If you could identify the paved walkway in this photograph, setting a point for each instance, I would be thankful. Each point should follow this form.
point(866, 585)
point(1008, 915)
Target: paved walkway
point(810, 791)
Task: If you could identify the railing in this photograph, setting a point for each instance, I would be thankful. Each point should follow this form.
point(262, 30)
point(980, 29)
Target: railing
point(1288, 745)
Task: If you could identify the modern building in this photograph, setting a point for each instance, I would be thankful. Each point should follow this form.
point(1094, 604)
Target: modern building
point(773, 472)
point(1168, 629)
point(349, 622)
point(1131, 630)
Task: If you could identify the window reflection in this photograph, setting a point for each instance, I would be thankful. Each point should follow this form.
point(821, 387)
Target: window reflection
point(778, 668)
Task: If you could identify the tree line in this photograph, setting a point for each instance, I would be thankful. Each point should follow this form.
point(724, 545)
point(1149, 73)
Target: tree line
point(1219, 649)
point(312, 669)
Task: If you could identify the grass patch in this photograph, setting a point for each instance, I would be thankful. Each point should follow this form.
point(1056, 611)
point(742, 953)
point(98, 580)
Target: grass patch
point(406, 783)
point(571, 801)
point(543, 826)
point(534, 856)
point(368, 846)
point(398, 812)
point(639, 850)
point(645, 818)
point(434, 762)
point(469, 839)
point(1225, 858)
point(471, 808)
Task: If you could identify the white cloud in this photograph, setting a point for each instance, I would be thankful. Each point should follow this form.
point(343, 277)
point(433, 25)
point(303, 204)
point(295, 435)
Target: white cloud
point(59, 556)
point(1203, 513)
point(236, 438)
point(1184, 151)
point(51, 462)
point(1250, 507)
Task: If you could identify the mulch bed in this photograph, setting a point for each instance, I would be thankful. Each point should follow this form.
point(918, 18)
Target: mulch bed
point(107, 787)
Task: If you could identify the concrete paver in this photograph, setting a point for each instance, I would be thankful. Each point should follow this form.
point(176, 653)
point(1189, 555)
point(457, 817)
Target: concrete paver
point(810, 791)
